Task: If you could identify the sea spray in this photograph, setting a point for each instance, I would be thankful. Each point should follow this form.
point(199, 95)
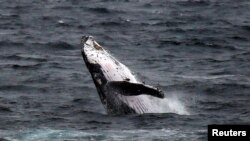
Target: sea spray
point(172, 103)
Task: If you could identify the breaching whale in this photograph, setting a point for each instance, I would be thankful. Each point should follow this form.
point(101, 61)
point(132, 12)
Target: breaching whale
point(119, 90)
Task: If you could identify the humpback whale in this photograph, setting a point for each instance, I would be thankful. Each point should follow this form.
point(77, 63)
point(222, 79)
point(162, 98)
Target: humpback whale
point(119, 90)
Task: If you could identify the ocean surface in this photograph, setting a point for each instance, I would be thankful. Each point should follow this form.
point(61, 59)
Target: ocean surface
point(196, 51)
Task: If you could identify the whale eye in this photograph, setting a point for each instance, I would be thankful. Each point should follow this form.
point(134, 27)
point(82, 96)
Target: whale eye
point(126, 79)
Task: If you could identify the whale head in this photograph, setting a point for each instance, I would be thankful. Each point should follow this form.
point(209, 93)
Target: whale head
point(99, 60)
point(91, 49)
point(93, 56)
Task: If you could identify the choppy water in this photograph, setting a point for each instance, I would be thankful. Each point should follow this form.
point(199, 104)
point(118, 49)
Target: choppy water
point(197, 51)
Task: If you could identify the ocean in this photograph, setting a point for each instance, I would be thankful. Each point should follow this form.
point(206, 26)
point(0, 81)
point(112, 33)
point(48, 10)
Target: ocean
point(196, 51)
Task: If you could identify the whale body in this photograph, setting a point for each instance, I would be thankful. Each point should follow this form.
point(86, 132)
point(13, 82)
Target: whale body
point(119, 90)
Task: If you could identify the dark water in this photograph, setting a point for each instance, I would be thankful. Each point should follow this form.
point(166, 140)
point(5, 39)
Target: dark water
point(197, 51)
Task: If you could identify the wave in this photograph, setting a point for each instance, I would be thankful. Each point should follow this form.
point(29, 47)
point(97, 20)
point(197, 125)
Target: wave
point(49, 45)
point(239, 37)
point(30, 66)
point(20, 88)
point(60, 45)
point(97, 122)
point(205, 77)
point(211, 45)
point(193, 3)
point(199, 43)
point(8, 43)
point(246, 27)
point(104, 10)
point(114, 22)
point(5, 109)
point(106, 135)
point(57, 45)
point(25, 57)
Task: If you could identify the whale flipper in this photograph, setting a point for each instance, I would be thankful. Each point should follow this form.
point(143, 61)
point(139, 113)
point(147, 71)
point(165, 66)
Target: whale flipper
point(133, 89)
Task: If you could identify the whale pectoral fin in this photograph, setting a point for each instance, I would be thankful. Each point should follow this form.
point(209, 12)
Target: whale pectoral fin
point(134, 89)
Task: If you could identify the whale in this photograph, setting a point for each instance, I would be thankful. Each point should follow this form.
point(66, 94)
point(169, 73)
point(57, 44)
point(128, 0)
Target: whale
point(119, 90)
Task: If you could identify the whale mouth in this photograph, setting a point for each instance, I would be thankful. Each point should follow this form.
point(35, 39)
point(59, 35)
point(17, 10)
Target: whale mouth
point(97, 46)
point(89, 40)
point(84, 39)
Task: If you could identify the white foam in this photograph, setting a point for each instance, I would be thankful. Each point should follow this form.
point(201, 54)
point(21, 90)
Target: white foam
point(205, 77)
point(172, 104)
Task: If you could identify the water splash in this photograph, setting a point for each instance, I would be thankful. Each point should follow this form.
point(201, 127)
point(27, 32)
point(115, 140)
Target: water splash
point(172, 104)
